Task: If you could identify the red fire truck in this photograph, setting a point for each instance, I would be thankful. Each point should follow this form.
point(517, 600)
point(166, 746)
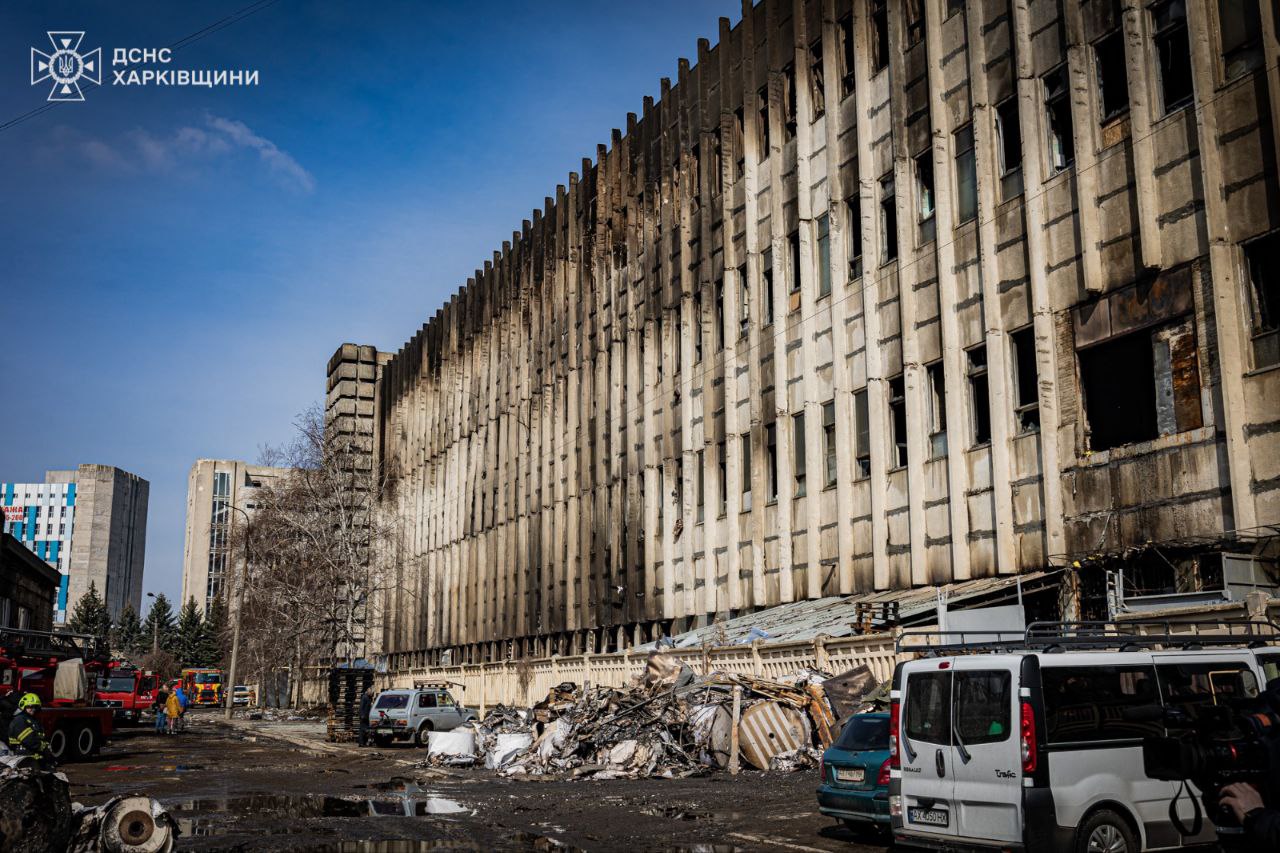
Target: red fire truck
point(126, 690)
point(30, 662)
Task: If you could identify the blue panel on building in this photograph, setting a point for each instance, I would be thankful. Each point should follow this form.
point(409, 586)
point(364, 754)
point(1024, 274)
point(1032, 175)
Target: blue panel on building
point(62, 593)
point(8, 494)
point(54, 547)
point(71, 494)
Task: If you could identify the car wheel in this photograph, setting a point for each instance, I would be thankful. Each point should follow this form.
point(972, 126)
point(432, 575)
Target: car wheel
point(1106, 832)
point(58, 744)
point(86, 742)
point(424, 734)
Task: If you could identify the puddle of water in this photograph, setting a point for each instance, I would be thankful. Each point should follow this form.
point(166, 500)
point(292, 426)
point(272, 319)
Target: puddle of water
point(684, 813)
point(416, 803)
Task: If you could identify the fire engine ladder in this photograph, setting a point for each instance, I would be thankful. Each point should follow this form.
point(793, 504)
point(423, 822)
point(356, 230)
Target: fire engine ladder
point(49, 644)
point(1129, 635)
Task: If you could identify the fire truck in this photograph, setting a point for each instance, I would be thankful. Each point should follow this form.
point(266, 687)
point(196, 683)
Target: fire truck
point(62, 670)
point(203, 686)
point(126, 690)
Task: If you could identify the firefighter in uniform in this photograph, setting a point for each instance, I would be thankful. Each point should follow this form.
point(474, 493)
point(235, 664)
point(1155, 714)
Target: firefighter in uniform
point(26, 735)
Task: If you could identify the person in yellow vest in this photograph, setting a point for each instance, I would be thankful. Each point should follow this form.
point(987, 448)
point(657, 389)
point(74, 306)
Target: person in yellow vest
point(173, 710)
point(26, 734)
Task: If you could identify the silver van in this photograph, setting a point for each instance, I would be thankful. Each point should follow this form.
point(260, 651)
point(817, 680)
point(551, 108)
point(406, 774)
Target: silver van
point(412, 713)
point(1041, 748)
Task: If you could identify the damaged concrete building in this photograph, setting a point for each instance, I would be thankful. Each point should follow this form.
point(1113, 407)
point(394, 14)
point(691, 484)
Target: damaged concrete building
point(878, 294)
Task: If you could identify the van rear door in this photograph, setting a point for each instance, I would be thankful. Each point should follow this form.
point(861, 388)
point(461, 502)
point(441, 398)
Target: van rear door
point(986, 740)
point(924, 744)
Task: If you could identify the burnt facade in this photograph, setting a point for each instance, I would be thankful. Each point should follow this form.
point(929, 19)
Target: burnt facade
point(878, 294)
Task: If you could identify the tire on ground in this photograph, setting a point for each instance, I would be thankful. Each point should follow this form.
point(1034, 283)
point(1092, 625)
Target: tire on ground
point(1100, 832)
point(59, 745)
point(423, 735)
point(86, 742)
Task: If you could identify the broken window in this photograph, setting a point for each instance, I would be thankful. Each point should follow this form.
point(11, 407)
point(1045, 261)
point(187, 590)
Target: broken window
point(739, 144)
point(1173, 52)
point(1026, 403)
point(937, 385)
point(793, 243)
point(700, 484)
point(659, 345)
point(762, 122)
point(979, 394)
point(824, 256)
point(677, 347)
point(744, 302)
point(662, 494)
point(879, 20)
point(888, 220)
point(1009, 140)
point(697, 327)
point(1141, 385)
point(1057, 107)
point(768, 287)
point(862, 430)
point(695, 163)
point(845, 30)
point(678, 492)
point(789, 101)
point(915, 22)
point(966, 175)
point(771, 454)
point(897, 422)
point(1113, 78)
point(954, 7)
point(717, 166)
point(853, 206)
point(817, 90)
point(719, 314)
point(722, 455)
point(745, 443)
point(1241, 28)
point(797, 445)
point(829, 442)
point(924, 186)
point(1262, 257)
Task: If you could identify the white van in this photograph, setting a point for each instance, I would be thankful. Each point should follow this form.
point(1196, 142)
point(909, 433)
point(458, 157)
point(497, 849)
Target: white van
point(1039, 749)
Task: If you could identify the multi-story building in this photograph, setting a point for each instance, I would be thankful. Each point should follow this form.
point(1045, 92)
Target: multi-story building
point(216, 489)
point(91, 525)
point(877, 295)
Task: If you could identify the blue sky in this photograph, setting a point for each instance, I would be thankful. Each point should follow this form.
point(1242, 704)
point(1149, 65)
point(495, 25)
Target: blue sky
point(179, 263)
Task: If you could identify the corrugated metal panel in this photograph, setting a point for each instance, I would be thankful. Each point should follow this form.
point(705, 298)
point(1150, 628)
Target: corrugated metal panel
point(768, 729)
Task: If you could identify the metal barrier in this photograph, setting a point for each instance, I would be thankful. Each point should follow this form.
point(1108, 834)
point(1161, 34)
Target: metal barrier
point(523, 682)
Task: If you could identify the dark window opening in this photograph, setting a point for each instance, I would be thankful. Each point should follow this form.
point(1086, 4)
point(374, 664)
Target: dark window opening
point(700, 483)
point(888, 221)
point(966, 175)
point(937, 385)
point(771, 454)
point(789, 101)
point(879, 20)
point(1113, 78)
point(862, 438)
point(695, 168)
point(817, 87)
point(829, 442)
point(745, 443)
point(722, 457)
point(915, 22)
point(768, 287)
point(739, 144)
point(1173, 53)
point(1141, 385)
point(1026, 402)
point(1057, 105)
point(979, 394)
point(797, 446)
point(719, 314)
point(1241, 27)
point(853, 206)
point(793, 286)
point(954, 7)
point(697, 327)
point(1262, 258)
point(845, 29)
point(1089, 703)
point(1009, 140)
point(717, 161)
point(898, 422)
point(744, 302)
point(762, 122)
point(824, 256)
point(926, 203)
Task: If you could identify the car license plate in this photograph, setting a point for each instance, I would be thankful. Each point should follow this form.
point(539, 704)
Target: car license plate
point(850, 774)
point(931, 817)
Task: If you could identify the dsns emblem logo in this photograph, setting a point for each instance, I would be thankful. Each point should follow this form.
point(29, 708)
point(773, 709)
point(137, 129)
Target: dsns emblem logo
point(66, 66)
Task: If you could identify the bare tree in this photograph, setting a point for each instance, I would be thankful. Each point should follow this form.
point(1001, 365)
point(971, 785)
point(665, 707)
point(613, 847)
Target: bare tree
point(310, 543)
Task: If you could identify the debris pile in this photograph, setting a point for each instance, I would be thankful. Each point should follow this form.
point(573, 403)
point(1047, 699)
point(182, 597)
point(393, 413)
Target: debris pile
point(670, 723)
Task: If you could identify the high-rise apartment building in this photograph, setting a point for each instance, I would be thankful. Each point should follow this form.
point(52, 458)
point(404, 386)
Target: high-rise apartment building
point(91, 525)
point(218, 491)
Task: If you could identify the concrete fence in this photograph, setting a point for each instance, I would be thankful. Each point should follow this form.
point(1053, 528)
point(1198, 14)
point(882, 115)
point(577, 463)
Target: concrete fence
point(524, 682)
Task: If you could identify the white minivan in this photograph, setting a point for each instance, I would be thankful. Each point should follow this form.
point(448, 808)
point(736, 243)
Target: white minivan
point(1042, 749)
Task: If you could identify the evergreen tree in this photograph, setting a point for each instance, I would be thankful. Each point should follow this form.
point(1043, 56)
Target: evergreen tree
point(158, 628)
point(91, 615)
point(213, 633)
point(126, 633)
point(190, 634)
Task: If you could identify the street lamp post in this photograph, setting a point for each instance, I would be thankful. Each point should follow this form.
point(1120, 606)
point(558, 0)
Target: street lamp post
point(230, 688)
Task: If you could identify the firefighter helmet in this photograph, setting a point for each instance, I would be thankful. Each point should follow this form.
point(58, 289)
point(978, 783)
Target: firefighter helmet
point(28, 701)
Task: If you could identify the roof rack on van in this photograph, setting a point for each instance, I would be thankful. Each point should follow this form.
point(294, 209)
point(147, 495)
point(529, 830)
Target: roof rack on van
point(1131, 634)
point(437, 684)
